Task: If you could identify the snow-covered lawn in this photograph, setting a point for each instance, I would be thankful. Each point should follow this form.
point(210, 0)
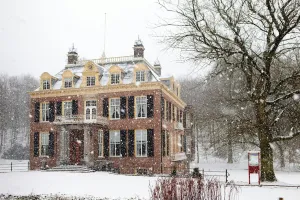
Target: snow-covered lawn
point(103, 184)
point(97, 184)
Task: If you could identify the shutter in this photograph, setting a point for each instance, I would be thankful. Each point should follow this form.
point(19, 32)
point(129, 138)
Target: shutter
point(36, 144)
point(106, 143)
point(184, 119)
point(170, 113)
point(150, 108)
point(184, 143)
point(51, 144)
point(162, 108)
point(37, 112)
point(131, 143)
point(51, 111)
point(131, 107)
point(123, 107)
point(58, 108)
point(168, 143)
point(74, 107)
point(150, 142)
point(123, 143)
point(163, 139)
point(105, 107)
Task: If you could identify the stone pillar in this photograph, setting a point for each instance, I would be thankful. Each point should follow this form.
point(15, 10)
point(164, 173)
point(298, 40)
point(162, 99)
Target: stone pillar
point(64, 146)
point(87, 142)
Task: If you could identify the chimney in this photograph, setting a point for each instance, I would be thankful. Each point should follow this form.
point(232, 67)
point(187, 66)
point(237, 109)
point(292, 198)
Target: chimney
point(157, 67)
point(72, 55)
point(138, 48)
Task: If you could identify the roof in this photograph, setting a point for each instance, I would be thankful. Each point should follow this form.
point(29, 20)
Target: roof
point(126, 63)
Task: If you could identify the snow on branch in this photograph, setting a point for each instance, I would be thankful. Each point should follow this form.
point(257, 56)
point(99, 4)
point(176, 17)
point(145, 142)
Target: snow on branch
point(285, 138)
point(286, 96)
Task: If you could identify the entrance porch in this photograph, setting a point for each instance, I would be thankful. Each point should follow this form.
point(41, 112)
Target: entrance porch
point(75, 145)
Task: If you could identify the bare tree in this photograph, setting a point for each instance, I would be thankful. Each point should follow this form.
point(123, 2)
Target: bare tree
point(250, 36)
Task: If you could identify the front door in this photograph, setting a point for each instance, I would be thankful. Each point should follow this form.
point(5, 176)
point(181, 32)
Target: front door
point(90, 111)
point(76, 147)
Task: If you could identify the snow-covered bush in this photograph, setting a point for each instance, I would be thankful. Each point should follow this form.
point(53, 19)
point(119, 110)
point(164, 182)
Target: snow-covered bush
point(190, 189)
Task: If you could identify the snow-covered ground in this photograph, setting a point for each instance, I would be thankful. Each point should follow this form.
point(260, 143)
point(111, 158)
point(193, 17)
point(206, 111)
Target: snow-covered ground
point(102, 184)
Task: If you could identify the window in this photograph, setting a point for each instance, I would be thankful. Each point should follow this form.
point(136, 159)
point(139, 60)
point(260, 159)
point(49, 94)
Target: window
point(115, 78)
point(141, 107)
point(46, 84)
point(45, 112)
point(115, 108)
point(100, 143)
point(140, 76)
point(68, 82)
point(68, 109)
point(90, 80)
point(141, 143)
point(166, 143)
point(90, 110)
point(44, 144)
point(114, 137)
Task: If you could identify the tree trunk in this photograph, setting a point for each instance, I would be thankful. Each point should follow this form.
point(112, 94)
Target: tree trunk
point(266, 152)
point(229, 138)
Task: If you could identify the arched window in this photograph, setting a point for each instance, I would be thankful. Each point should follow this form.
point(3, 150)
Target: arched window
point(87, 114)
point(94, 113)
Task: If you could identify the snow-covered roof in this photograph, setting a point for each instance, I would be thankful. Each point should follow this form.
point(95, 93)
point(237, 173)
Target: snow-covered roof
point(127, 64)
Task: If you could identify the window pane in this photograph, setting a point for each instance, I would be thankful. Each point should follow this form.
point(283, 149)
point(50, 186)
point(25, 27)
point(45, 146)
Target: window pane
point(141, 107)
point(141, 142)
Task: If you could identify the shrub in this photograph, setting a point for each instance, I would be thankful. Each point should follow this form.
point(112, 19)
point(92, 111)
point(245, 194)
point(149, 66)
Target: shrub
point(189, 189)
point(174, 172)
point(17, 152)
point(196, 173)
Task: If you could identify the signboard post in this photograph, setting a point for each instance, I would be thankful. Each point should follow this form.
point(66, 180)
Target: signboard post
point(254, 164)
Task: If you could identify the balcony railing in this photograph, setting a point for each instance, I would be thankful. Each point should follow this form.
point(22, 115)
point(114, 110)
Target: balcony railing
point(79, 119)
point(178, 156)
point(178, 125)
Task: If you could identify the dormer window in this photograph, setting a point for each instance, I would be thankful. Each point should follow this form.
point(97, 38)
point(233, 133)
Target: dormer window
point(90, 80)
point(115, 78)
point(68, 82)
point(46, 84)
point(140, 76)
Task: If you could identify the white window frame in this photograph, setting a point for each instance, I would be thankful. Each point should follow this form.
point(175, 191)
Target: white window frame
point(67, 105)
point(68, 82)
point(90, 80)
point(46, 84)
point(45, 114)
point(100, 143)
point(114, 143)
point(115, 78)
point(140, 76)
point(91, 110)
point(44, 141)
point(114, 108)
point(141, 106)
point(141, 143)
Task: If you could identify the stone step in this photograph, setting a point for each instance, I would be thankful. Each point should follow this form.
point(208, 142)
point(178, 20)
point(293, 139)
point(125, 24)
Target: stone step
point(70, 168)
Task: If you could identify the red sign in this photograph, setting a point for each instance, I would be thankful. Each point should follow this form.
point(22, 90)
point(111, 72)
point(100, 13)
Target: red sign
point(254, 164)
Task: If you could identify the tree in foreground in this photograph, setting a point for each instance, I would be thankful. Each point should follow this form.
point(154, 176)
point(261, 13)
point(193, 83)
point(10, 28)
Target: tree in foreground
point(257, 39)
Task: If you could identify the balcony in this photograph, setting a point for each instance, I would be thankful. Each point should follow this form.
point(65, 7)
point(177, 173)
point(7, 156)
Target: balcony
point(178, 125)
point(178, 156)
point(79, 119)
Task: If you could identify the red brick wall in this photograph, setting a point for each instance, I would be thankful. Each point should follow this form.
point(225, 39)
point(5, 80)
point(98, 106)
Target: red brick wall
point(126, 164)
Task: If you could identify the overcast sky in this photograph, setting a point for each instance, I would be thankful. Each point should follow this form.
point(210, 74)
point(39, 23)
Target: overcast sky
point(35, 36)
